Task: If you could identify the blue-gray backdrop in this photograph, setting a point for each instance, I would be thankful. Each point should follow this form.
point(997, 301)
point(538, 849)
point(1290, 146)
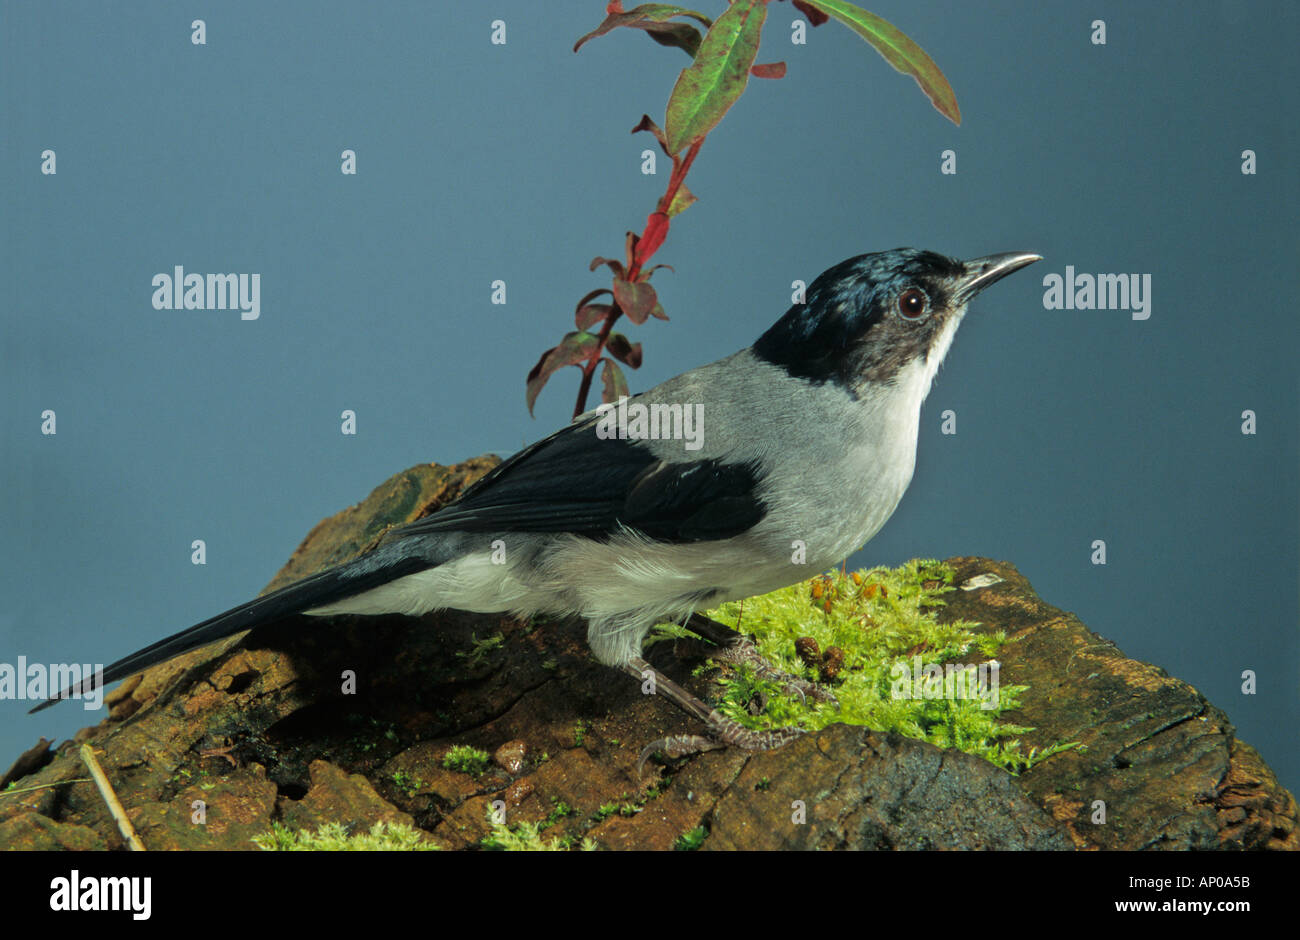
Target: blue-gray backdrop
point(479, 162)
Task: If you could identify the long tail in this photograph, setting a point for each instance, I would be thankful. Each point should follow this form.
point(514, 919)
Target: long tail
point(326, 587)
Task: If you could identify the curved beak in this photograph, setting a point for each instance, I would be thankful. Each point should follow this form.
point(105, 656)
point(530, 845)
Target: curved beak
point(981, 272)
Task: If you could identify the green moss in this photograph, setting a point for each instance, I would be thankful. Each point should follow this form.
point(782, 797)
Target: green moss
point(334, 837)
point(479, 649)
point(560, 810)
point(406, 782)
point(527, 837)
point(883, 620)
point(373, 733)
point(691, 840)
point(466, 759)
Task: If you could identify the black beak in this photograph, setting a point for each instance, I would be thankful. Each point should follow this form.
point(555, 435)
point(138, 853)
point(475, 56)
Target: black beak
point(981, 272)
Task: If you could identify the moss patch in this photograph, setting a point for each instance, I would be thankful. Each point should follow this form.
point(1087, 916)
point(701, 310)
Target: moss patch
point(334, 837)
point(466, 759)
point(527, 837)
point(866, 636)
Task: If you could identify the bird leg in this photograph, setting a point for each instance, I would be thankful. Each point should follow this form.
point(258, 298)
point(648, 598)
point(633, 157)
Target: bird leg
point(735, 649)
point(722, 731)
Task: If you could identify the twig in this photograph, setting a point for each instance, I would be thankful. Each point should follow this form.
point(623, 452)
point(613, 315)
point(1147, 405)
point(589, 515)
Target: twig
point(110, 798)
point(43, 786)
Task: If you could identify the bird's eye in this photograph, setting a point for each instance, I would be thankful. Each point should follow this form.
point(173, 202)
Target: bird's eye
point(912, 303)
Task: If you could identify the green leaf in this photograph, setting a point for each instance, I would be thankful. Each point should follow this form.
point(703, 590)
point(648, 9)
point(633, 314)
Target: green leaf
point(613, 383)
point(575, 348)
point(683, 199)
point(710, 86)
point(653, 18)
point(899, 51)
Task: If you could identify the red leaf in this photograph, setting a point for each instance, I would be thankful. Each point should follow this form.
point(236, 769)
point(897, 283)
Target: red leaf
point(591, 314)
point(768, 70)
point(656, 230)
point(613, 384)
point(636, 299)
point(624, 350)
point(654, 19)
point(615, 266)
point(815, 17)
point(592, 296)
point(646, 124)
point(572, 350)
point(629, 247)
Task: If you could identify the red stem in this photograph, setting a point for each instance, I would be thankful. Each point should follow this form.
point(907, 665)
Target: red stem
point(680, 169)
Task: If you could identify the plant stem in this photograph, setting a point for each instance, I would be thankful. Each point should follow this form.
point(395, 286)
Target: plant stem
point(680, 169)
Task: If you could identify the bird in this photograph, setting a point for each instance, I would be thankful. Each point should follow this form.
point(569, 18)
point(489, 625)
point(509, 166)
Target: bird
point(802, 446)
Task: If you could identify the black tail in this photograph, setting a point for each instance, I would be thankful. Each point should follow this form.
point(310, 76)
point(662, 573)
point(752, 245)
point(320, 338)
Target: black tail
point(326, 587)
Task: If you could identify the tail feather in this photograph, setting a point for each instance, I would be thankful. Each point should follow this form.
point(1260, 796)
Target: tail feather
point(325, 587)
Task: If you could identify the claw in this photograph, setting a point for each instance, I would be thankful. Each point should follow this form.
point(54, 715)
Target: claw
point(722, 734)
point(677, 745)
point(744, 650)
point(721, 731)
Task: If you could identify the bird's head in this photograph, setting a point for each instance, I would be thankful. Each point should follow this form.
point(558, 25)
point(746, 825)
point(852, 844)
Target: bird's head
point(866, 319)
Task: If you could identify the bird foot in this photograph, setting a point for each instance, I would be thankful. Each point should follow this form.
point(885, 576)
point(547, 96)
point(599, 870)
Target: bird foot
point(742, 650)
point(721, 731)
point(737, 649)
point(724, 733)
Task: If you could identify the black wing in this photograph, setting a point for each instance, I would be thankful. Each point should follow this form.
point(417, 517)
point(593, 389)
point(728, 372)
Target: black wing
point(573, 481)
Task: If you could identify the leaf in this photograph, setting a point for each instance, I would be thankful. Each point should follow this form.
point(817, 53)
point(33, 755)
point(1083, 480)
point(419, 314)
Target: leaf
point(682, 35)
point(614, 265)
point(572, 350)
point(815, 17)
point(592, 296)
point(899, 51)
point(613, 384)
point(653, 18)
point(710, 86)
point(590, 314)
point(768, 70)
point(636, 299)
point(683, 199)
point(624, 350)
point(646, 124)
point(629, 247)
